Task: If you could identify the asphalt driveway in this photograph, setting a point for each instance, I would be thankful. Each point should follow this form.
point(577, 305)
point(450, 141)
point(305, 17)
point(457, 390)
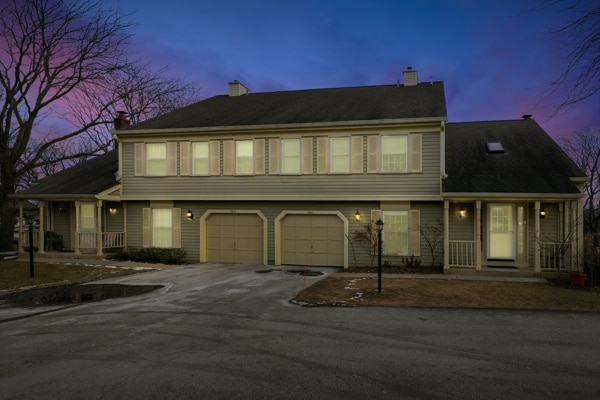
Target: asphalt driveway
point(228, 332)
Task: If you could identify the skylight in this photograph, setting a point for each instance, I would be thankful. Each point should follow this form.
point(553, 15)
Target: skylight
point(495, 147)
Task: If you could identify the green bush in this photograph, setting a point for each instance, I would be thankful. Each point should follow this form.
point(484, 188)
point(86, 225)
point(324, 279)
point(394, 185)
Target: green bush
point(152, 255)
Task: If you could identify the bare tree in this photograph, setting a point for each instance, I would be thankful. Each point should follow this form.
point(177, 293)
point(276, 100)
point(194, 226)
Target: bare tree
point(433, 233)
point(67, 62)
point(584, 149)
point(580, 78)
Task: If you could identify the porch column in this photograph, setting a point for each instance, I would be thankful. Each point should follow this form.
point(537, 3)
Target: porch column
point(41, 242)
point(478, 235)
point(77, 224)
point(446, 235)
point(578, 229)
point(99, 228)
point(536, 265)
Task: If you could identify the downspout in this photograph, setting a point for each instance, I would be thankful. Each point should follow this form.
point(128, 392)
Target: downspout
point(443, 150)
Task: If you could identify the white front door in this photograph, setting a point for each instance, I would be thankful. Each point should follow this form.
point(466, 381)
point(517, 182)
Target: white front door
point(501, 231)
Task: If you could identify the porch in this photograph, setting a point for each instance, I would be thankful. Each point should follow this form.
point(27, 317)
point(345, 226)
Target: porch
point(539, 238)
point(78, 227)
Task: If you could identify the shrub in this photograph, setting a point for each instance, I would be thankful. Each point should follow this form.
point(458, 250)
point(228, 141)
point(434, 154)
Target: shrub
point(152, 255)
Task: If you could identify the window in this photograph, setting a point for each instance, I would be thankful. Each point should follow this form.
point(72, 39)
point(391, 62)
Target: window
point(162, 224)
point(395, 232)
point(156, 158)
point(200, 158)
point(290, 149)
point(340, 155)
point(244, 160)
point(394, 153)
point(87, 216)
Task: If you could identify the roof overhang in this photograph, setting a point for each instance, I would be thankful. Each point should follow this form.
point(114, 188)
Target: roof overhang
point(274, 128)
point(512, 196)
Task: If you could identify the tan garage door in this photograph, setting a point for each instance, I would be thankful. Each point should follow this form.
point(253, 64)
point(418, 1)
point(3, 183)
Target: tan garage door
point(312, 239)
point(234, 238)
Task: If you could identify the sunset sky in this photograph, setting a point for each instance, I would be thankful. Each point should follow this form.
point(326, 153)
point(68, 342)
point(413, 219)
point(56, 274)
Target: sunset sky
point(495, 57)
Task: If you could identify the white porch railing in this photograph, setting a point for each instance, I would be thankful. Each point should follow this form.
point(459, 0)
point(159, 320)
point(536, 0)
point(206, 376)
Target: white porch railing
point(113, 239)
point(24, 238)
point(555, 256)
point(462, 253)
point(87, 240)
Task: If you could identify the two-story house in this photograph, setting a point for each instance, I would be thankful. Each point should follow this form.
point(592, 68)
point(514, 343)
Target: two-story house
point(287, 178)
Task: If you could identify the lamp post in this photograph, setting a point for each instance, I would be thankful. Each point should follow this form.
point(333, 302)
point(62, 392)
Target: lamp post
point(30, 220)
point(379, 224)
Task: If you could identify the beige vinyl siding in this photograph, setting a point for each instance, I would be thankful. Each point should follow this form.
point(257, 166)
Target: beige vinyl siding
point(318, 186)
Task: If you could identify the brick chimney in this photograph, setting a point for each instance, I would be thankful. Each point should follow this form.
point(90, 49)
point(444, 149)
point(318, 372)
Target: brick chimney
point(121, 120)
point(410, 77)
point(237, 89)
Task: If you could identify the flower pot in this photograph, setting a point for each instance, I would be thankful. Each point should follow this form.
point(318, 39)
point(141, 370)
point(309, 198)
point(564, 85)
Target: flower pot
point(577, 278)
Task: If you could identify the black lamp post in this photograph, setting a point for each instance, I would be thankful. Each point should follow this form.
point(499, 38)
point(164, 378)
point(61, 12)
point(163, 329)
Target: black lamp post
point(379, 224)
point(30, 220)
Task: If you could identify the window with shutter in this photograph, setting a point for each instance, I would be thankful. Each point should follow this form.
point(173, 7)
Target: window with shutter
point(244, 157)
point(200, 158)
point(156, 159)
point(290, 156)
point(394, 153)
point(339, 148)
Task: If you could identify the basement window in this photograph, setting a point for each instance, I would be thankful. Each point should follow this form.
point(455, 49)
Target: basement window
point(495, 147)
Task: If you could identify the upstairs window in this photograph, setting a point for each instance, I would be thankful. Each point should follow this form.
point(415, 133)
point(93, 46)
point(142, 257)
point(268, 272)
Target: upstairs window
point(156, 158)
point(290, 149)
point(200, 158)
point(394, 153)
point(244, 157)
point(340, 155)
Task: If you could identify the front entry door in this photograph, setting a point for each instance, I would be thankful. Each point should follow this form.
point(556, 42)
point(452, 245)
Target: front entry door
point(501, 232)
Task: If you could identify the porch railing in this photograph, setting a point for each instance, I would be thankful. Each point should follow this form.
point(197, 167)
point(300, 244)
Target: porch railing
point(87, 240)
point(462, 253)
point(23, 238)
point(555, 256)
point(113, 240)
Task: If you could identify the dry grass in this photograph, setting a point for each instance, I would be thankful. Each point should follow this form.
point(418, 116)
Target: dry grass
point(14, 275)
point(444, 293)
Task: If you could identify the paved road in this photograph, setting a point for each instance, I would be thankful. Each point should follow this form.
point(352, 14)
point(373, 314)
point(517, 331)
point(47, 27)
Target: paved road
point(227, 332)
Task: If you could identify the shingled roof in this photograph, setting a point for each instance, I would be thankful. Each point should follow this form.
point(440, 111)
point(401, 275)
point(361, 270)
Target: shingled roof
point(89, 177)
point(531, 161)
point(364, 103)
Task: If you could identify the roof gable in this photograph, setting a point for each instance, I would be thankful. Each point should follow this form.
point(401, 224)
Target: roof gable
point(89, 177)
point(364, 103)
point(531, 161)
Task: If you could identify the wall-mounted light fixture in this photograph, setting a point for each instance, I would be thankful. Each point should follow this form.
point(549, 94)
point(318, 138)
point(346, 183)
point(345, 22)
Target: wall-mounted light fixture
point(190, 215)
point(61, 208)
point(462, 213)
point(357, 216)
point(542, 213)
point(112, 210)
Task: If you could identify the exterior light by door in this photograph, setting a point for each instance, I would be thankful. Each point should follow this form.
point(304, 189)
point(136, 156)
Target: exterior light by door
point(379, 224)
point(112, 210)
point(190, 215)
point(542, 213)
point(357, 216)
point(462, 213)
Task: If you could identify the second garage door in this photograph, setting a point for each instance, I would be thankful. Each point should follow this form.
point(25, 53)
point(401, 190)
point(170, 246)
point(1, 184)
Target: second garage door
point(235, 238)
point(313, 239)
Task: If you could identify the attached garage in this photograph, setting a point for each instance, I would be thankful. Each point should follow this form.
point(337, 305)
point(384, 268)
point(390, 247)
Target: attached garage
point(234, 237)
point(316, 239)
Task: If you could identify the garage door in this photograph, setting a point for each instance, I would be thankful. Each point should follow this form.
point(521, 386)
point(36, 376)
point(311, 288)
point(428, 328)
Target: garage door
point(313, 239)
point(234, 238)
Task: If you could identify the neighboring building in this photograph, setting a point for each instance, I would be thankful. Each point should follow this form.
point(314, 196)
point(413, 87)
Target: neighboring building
point(283, 177)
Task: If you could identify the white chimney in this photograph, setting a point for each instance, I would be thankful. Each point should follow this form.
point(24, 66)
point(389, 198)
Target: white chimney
point(410, 77)
point(237, 89)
